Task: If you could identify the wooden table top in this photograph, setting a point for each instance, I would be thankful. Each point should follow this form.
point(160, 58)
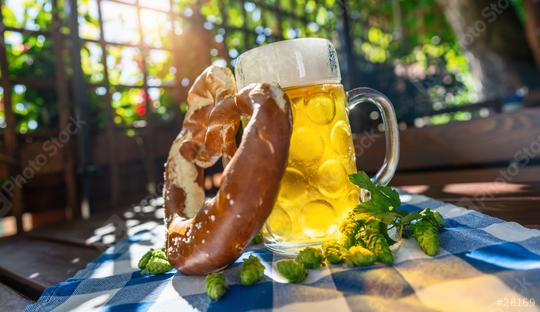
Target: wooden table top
point(35, 260)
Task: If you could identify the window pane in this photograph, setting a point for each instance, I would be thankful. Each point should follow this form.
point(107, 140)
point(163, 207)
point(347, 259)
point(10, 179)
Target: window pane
point(160, 68)
point(97, 111)
point(29, 56)
point(163, 104)
point(156, 28)
point(34, 108)
point(88, 19)
point(125, 66)
point(156, 4)
point(120, 23)
point(29, 14)
point(129, 106)
point(91, 61)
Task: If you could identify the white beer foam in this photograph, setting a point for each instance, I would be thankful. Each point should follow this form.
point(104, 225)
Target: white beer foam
point(289, 63)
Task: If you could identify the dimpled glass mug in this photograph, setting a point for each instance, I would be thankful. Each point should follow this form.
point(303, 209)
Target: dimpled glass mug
point(315, 193)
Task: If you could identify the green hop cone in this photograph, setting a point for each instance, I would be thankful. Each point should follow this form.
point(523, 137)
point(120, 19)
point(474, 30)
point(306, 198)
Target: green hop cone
point(427, 235)
point(144, 259)
point(379, 246)
point(252, 271)
point(333, 252)
point(159, 253)
point(312, 258)
point(359, 256)
point(154, 262)
point(157, 265)
point(375, 241)
point(215, 285)
point(349, 229)
point(292, 270)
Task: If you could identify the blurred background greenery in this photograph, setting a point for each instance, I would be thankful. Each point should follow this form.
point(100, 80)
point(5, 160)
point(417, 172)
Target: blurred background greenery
point(406, 49)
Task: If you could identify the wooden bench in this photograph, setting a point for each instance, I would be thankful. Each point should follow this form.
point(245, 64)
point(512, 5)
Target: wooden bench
point(490, 164)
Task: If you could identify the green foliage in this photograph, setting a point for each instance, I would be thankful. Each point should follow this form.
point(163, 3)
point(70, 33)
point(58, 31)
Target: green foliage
point(367, 225)
point(408, 51)
point(312, 258)
point(252, 271)
point(215, 285)
point(30, 14)
point(34, 108)
point(388, 46)
point(292, 270)
point(383, 198)
point(257, 239)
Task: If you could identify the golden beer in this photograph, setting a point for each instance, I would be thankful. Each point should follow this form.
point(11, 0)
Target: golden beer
point(315, 191)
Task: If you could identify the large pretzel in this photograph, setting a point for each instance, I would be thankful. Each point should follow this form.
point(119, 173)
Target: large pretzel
point(219, 229)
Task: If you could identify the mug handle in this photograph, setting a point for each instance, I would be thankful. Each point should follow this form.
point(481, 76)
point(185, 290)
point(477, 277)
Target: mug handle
point(383, 104)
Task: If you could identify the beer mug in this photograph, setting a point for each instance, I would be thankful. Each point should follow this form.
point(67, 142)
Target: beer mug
point(315, 192)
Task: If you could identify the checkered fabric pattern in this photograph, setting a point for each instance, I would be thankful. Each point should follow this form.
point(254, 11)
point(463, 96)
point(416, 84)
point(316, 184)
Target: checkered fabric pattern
point(485, 264)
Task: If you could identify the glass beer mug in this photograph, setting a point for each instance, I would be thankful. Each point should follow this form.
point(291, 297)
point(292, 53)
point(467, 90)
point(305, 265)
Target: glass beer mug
point(315, 193)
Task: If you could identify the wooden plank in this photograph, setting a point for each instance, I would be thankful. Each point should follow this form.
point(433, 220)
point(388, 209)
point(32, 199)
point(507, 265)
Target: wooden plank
point(148, 141)
point(526, 174)
point(132, 148)
point(12, 300)
point(10, 132)
point(104, 228)
point(480, 190)
point(111, 149)
point(30, 265)
point(99, 231)
point(68, 152)
point(521, 210)
point(517, 202)
point(489, 140)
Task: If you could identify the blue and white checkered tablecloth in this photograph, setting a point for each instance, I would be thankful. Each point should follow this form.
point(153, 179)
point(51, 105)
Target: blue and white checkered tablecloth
point(485, 264)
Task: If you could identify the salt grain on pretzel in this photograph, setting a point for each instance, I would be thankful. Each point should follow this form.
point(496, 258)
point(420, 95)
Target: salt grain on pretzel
point(221, 228)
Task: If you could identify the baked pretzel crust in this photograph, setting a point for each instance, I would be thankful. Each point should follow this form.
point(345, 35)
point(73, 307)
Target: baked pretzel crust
point(219, 229)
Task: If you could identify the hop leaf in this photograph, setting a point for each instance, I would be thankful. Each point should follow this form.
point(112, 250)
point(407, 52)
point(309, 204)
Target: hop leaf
point(292, 270)
point(257, 239)
point(252, 271)
point(333, 252)
point(359, 256)
point(427, 236)
point(311, 257)
point(383, 198)
point(215, 285)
